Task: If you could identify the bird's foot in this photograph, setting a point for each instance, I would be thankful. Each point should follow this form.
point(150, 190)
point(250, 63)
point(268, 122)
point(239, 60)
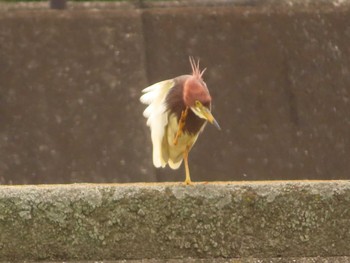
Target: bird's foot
point(188, 181)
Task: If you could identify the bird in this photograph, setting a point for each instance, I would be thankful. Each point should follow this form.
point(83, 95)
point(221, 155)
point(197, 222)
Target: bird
point(177, 112)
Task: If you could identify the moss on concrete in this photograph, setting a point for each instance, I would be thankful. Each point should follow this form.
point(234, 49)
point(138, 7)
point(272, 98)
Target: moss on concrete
point(82, 222)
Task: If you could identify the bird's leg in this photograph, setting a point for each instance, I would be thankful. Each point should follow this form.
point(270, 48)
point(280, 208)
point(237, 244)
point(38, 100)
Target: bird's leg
point(181, 125)
point(187, 169)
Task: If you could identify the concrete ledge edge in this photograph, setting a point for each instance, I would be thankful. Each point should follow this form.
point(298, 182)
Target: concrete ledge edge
point(269, 4)
point(227, 260)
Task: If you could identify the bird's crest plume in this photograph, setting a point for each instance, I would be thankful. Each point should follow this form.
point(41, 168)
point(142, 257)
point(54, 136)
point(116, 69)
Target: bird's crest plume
point(196, 72)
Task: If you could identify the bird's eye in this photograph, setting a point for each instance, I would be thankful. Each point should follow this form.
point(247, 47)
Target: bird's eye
point(198, 104)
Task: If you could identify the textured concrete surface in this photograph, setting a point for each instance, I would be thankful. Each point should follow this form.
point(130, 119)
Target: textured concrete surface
point(228, 260)
point(69, 88)
point(172, 221)
point(278, 71)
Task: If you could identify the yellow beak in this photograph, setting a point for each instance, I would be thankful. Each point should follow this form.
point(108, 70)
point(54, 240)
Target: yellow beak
point(206, 114)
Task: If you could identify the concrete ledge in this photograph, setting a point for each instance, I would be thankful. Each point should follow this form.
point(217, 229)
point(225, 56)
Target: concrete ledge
point(226, 260)
point(167, 221)
point(140, 4)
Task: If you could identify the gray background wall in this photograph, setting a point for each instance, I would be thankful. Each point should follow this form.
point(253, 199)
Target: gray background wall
point(70, 83)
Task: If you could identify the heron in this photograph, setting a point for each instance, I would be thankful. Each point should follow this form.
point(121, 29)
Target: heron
point(177, 112)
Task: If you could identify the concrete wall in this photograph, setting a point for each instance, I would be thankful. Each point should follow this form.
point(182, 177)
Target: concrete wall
point(172, 221)
point(70, 81)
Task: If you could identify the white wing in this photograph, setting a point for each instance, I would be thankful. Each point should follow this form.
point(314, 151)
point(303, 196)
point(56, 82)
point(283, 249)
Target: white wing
point(157, 117)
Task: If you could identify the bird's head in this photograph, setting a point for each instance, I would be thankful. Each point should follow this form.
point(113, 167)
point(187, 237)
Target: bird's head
point(196, 95)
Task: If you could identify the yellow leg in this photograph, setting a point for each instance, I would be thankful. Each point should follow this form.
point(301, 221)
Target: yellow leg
point(187, 169)
point(181, 125)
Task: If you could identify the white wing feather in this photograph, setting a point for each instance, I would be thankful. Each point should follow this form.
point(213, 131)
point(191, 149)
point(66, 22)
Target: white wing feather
point(157, 117)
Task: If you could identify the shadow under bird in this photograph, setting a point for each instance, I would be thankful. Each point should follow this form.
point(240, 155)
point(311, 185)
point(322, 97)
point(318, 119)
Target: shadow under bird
point(178, 110)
